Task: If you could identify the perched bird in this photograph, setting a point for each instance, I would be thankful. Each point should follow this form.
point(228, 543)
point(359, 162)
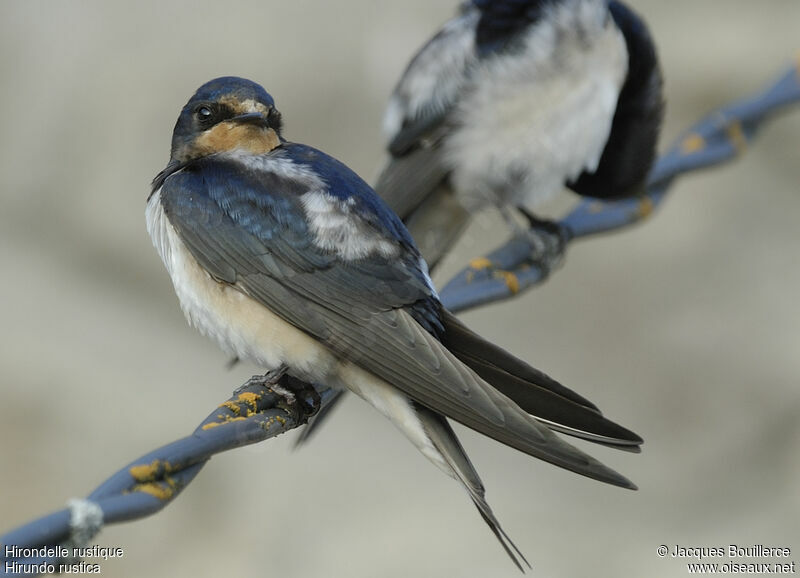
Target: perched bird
point(287, 258)
point(513, 99)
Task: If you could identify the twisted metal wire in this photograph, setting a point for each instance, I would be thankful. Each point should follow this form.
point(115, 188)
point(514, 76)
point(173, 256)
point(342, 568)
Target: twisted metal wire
point(264, 407)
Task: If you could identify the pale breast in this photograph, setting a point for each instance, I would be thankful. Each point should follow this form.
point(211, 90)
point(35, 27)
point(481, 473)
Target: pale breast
point(538, 118)
point(240, 325)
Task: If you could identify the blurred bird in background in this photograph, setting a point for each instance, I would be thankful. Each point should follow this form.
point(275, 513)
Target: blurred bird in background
point(287, 258)
point(513, 99)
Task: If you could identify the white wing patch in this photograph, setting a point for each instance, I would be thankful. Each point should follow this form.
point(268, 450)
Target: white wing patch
point(278, 165)
point(338, 229)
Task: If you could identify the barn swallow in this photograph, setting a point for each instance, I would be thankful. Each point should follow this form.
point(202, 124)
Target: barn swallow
point(287, 258)
point(513, 99)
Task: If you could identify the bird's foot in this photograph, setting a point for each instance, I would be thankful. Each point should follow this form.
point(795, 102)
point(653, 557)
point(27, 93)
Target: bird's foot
point(541, 245)
point(299, 399)
point(548, 240)
point(267, 380)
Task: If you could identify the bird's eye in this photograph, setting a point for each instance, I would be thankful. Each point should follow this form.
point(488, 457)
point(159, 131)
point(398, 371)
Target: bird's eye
point(203, 113)
point(274, 119)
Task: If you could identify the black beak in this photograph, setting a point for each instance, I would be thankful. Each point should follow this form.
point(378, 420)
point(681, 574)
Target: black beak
point(251, 118)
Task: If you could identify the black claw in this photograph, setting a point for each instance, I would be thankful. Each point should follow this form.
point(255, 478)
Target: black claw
point(549, 239)
point(307, 401)
point(297, 398)
point(553, 228)
point(268, 379)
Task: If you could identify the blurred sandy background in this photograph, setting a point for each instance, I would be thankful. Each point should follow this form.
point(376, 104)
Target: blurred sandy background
point(686, 329)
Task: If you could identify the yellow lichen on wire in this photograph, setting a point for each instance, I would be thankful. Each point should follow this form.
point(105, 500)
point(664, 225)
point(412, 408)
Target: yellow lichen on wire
point(149, 472)
point(692, 144)
point(644, 208)
point(231, 406)
point(164, 490)
point(250, 399)
point(480, 263)
point(510, 279)
point(737, 137)
point(153, 479)
point(225, 419)
point(245, 400)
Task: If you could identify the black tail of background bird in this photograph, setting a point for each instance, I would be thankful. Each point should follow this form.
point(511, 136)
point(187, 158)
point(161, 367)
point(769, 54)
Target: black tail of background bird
point(554, 405)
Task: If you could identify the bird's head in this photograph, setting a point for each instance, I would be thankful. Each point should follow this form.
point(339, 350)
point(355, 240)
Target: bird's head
point(226, 114)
